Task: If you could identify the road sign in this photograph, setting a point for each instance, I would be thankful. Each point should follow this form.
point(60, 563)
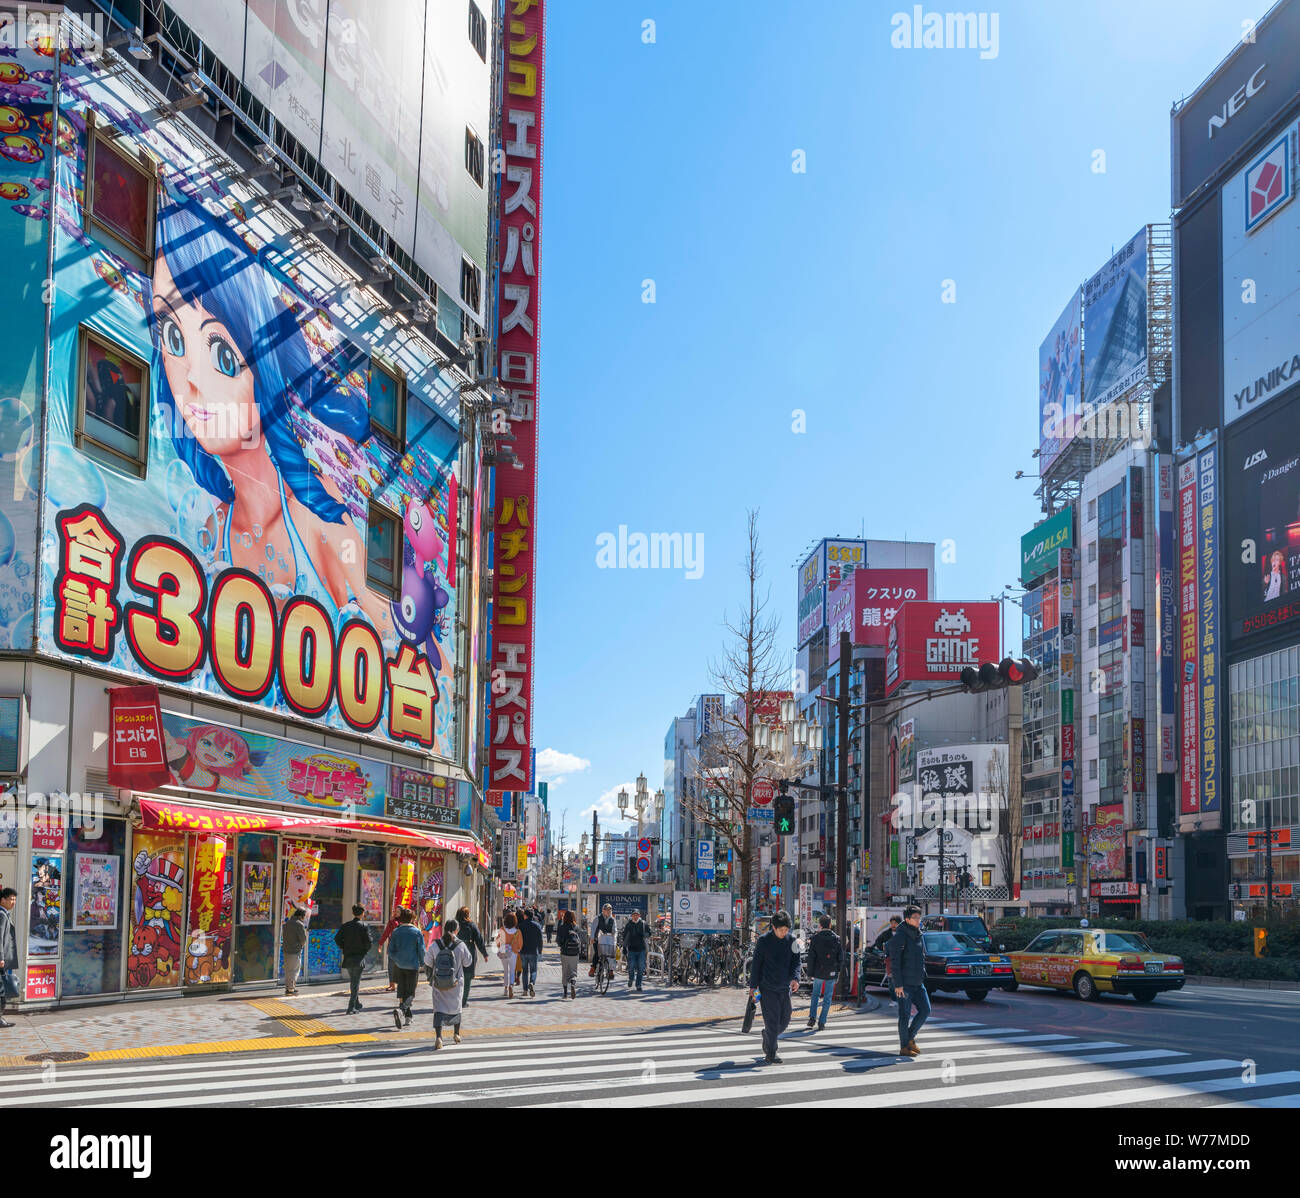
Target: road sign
point(591, 881)
point(643, 845)
point(643, 865)
point(704, 859)
point(762, 791)
point(776, 890)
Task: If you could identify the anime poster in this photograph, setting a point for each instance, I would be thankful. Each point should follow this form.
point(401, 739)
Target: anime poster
point(46, 903)
point(207, 946)
point(95, 881)
point(428, 899)
point(255, 892)
point(372, 895)
point(260, 474)
point(157, 902)
point(1107, 855)
point(404, 884)
point(301, 870)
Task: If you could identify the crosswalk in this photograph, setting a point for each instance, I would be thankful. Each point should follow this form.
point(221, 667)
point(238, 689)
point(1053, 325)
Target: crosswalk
point(853, 1064)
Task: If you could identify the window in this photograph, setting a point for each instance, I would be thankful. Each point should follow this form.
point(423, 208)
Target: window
point(1092, 595)
point(471, 284)
point(112, 404)
point(120, 192)
point(1092, 725)
point(478, 30)
point(1092, 510)
point(1092, 551)
point(474, 156)
point(986, 878)
point(383, 541)
point(387, 404)
point(1092, 770)
point(1092, 638)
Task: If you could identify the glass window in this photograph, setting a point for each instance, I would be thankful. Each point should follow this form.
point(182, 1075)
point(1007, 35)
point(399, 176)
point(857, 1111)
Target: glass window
point(1042, 943)
point(120, 194)
point(382, 542)
point(387, 392)
point(1126, 942)
point(254, 949)
point(112, 404)
point(94, 913)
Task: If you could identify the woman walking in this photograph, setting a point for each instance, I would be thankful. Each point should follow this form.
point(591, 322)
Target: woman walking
point(569, 943)
point(446, 959)
point(509, 942)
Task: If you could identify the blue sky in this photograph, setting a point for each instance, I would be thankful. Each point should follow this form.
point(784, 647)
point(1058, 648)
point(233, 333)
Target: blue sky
point(820, 291)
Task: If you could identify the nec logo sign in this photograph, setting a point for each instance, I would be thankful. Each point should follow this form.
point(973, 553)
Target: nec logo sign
point(1237, 101)
point(1255, 459)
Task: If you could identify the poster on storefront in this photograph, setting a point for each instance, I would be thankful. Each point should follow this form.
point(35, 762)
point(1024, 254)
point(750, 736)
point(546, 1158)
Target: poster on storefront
point(41, 982)
point(95, 881)
point(428, 900)
point(46, 903)
point(255, 892)
point(301, 871)
point(428, 798)
point(207, 947)
point(157, 898)
point(372, 895)
point(1106, 844)
point(404, 884)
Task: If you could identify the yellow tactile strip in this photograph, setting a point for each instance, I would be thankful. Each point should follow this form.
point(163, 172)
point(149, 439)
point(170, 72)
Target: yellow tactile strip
point(293, 1019)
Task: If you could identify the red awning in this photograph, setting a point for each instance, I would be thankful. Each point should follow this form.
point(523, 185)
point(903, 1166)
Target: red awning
point(166, 815)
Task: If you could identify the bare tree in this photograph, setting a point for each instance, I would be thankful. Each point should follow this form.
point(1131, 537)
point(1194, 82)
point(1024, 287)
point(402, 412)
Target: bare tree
point(751, 669)
point(1006, 802)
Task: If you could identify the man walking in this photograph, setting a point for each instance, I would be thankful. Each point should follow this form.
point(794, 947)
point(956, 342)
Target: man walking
point(8, 950)
point(532, 932)
point(907, 965)
point(295, 940)
point(775, 973)
point(635, 943)
point(406, 948)
point(550, 924)
point(472, 939)
point(826, 956)
point(353, 939)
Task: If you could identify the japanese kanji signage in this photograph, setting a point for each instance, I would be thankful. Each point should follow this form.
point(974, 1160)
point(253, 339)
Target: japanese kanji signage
point(1208, 639)
point(135, 739)
point(934, 642)
point(428, 799)
point(866, 601)
point(514, 427)
point(1189, 773)
point(207, 950)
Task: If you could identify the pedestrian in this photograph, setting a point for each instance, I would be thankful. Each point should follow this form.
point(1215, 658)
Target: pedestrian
point(383, 939)
point(295, 940)
point(570, 944)
point(826, 957)
point(509, 941)
point(447, 960)
point(604, 937)
point(907, 965)
point(774, 972)
point(472, 939)
point(885, 936)
point(353, 939)
point(406, 948)
point(635, 941)
point(550, 925)
point(531, 929)
point(8, 950)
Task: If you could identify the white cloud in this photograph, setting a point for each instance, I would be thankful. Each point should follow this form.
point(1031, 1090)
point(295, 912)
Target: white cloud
point(553, 766)
point(606, 807)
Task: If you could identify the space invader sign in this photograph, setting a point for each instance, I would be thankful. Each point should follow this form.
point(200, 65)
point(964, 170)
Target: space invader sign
point(933, 641)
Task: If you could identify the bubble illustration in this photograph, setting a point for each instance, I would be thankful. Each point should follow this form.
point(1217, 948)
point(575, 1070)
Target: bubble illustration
point(72, 479)
point(196, 520)
point(15, 428)
point(178, 482)
point(6, 540)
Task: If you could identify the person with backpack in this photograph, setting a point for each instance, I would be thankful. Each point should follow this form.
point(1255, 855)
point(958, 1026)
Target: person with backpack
point(570, 945)
point(531, 929)
point(636, 942)
point(604, 937)
point(406, 949)
point(447, 959)
point(472, 939)
point(550, 924)
point(826, 957)
point(353, 939)
point(509, 941)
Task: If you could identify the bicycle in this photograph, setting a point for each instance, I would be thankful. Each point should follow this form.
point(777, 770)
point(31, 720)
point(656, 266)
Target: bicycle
point(605, 966)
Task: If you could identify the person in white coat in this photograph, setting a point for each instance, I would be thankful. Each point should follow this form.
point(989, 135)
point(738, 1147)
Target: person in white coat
point(446, 959)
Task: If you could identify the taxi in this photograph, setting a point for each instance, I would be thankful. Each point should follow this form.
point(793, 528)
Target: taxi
point(1096, 961)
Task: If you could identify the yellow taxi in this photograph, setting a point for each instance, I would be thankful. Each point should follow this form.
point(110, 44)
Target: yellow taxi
point(1095, 961)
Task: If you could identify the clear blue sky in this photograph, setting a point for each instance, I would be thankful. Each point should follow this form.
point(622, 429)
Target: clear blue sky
point(818, 291)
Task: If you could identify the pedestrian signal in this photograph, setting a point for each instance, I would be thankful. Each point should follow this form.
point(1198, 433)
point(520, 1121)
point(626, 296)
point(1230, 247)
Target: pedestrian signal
point(783, 814)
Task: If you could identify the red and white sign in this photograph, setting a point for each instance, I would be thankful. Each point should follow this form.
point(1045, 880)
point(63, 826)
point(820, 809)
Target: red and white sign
point(515, 427)
point(42, 981)
point(934, 641)
point(865, 602)
point(1188, 599)
point(1268, 183)
point(761, 792)
point(1067, 742)
point(1114, 890)
point(136, 760)
point(47, 833)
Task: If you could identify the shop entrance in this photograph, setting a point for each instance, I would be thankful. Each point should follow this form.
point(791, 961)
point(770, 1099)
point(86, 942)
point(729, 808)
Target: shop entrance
point(254, 947)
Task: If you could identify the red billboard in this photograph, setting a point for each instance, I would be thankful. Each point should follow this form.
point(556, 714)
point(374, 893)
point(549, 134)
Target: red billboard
point(515, 427)
point(866, 602)
point(933, 641)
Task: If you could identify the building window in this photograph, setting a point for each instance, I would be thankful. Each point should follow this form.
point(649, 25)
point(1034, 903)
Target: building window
point(387, 404)
point(1092, 551)
point(112, 404)
point(120, 192)
point(1092, 595)
point(383, 541)
point(986, 877)
point(1092, 510)
point(1092, 725)
point(471, 283)
point(1092, 770)
point(474, 155)
point(478, 30)
point(1092, 638)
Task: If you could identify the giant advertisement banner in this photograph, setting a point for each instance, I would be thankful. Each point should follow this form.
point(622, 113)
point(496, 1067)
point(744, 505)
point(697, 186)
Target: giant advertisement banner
point(1115, 316)
point(1167, 601)
point(1188, 603)
point(1040, 550)
point(864, 603)
point(1210, 640)
point(1262, 477)
point(934, 641)
point(515, 490)
point(811, 596)
point(1059, 384)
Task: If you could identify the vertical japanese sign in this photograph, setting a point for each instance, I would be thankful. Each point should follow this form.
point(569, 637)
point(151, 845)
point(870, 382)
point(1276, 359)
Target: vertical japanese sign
point(135, 744)
point(1207, 573)
point(515, 427)
point(1167, 599)
point(1136, 644)
point(207, 949)
point(1190, 784)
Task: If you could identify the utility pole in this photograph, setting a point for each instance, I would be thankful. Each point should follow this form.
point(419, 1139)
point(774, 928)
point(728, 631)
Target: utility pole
point(842, 777)
point(595, 844)
point(939, 832)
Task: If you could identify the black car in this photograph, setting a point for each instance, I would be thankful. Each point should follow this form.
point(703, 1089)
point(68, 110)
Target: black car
point(953, 962)
point(968, 925)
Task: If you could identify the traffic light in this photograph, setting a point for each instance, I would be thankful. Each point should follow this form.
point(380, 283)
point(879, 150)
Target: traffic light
point(1261, 942)
point(783, 814)
point(1010, 671)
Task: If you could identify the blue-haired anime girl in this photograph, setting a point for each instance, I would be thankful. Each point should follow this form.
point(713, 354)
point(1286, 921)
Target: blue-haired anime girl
point(228, 358)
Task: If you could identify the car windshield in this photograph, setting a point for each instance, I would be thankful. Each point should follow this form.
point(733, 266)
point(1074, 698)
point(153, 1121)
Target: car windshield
point(1126, 942)
point(966, 941)
point(945, 942)
point(970, 926)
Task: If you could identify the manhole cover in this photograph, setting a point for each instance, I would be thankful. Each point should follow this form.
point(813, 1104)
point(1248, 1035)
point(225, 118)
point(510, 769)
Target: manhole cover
point(58, 1056)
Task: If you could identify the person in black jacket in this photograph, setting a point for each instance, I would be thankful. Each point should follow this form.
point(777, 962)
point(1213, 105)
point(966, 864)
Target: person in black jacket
point(570, 944)
point(884, 938)
point(826, 958)
point(532, 933)
point(353, 939)
point(472, 939)
point(604, 927)
point(907, 964)
point(775, 973)
point(636, 940)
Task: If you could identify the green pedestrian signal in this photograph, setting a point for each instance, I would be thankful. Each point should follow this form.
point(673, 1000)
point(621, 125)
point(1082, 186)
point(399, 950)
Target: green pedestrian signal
point(783, 814)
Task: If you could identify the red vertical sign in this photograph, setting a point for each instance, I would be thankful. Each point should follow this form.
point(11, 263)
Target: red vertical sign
point(515, 428)
point(135, 745)
point(1190, 773)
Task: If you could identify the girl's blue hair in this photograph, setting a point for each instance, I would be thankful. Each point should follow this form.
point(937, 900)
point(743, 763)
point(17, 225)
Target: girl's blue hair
point(215, 269)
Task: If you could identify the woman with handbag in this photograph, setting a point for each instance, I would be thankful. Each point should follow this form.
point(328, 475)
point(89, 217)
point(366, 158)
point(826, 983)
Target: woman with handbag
point(8, 950)
point(509, 941)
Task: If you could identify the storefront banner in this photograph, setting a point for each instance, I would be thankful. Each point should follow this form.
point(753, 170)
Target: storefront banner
point(372, 895)
point(46, 904)
point(207, 952)
point(95, 881)
point(42, 982)
point(47, 833)
point(161, 814)
point(1106, 844)
point(157, 899)
point(428, 799)
point(302, 871)
point(1209, 642)
point(255, 892)
point(135, 743)
point(404, 885)
point(428, 899)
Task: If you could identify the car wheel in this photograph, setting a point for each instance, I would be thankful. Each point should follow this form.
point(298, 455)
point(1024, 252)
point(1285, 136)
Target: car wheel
point(1011, 989)
point(977, 995)
point(1085, 987)
point(1145, 995)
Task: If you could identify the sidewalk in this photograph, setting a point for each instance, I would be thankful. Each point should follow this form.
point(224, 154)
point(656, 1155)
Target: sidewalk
point(193, 1026)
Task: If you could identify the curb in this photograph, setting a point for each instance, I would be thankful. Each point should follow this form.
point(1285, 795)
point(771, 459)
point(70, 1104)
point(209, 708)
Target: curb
point(1245, 983)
